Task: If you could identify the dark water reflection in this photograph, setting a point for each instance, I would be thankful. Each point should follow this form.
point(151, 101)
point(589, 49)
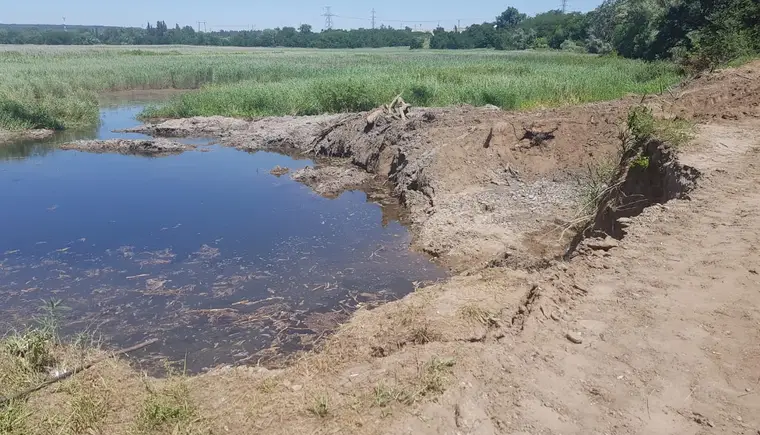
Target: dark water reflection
point(206, 250)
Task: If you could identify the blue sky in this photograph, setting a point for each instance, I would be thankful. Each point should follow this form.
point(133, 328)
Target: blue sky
point(242, 14)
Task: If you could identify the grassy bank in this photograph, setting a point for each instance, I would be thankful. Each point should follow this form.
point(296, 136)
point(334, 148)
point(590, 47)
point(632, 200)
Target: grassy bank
point(54, 88)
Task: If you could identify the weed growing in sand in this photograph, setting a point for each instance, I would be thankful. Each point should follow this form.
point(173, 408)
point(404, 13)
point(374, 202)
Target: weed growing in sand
point(423, 335)
point(13, 419)
point(384, 395)
point(167, 406)
point(320, 406)
point(28, 354)
point(676, 132)
point(593, 186)
point(434, 376)
point(643, 126)
point(479, 315)
point(268, 385)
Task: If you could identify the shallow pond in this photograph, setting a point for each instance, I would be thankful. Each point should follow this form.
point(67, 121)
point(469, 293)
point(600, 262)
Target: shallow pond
point(207, 251)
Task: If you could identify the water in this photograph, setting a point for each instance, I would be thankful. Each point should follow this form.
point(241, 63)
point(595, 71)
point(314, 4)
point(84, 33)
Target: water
point(206, 250)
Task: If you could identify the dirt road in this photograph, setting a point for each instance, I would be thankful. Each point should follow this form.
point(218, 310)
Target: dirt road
point(670, 326)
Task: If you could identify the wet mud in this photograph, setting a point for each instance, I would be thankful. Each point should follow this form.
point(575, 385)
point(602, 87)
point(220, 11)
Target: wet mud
point(137, 147)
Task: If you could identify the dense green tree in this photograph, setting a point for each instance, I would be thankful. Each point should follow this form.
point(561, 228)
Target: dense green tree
point(509, 19)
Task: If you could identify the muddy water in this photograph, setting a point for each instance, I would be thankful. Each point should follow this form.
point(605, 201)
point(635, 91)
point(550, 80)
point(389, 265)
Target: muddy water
point(206, 251)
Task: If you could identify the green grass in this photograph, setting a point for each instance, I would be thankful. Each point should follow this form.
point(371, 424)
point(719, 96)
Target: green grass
point(58, 88)
point(169, 406)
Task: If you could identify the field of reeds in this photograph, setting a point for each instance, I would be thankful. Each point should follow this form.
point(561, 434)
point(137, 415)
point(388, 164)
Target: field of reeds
point(55, 87)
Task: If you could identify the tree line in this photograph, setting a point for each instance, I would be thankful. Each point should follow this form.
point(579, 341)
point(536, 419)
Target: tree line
point(161, 34)
point(699, 33)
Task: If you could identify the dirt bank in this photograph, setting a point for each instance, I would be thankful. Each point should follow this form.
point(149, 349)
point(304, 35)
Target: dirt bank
point(655, 333)
point(140, 147)
point(470, 182)
point(477, 183)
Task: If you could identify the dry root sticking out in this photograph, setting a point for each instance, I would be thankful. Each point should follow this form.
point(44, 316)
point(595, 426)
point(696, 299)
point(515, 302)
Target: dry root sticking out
point(397, 109)
point(536, 137)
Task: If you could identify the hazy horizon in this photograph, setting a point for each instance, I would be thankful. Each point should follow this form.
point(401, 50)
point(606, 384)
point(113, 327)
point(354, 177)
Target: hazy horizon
point(240, 15)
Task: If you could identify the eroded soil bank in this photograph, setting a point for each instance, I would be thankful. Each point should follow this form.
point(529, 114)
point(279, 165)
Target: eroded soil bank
point(478, 183)
point(656, 333)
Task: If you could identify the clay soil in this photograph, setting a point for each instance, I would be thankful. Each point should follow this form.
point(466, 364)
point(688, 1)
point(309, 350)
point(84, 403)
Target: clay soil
point(658, 333)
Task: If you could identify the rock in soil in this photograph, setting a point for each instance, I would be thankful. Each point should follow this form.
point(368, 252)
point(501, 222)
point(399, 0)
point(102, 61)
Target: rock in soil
point(574, 337)
point(602, 244)
point(141, 147)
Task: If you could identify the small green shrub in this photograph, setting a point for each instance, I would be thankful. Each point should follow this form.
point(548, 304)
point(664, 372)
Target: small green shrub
point(641, 124)
point(33, 349)
point(166, 407)
point(641, 162)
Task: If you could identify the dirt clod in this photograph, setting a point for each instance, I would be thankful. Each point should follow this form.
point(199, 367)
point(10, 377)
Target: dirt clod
point(574, 337)
point(331, 181)
point(702, 420)
point(278, 171)
point(604, 244)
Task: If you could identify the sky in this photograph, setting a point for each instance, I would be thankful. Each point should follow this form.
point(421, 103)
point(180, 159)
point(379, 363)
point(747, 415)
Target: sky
point(247, 14)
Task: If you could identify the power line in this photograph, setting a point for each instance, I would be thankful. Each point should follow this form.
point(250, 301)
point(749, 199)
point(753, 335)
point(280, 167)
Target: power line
point(328, 18)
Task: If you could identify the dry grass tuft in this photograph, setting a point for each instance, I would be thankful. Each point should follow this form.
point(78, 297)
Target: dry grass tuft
point(434, 376)
point(480, 315)
point(167, 406)
point(13, 418)
point(423, 335)
point(385, 395)
point(320, 406)
point(676, 132)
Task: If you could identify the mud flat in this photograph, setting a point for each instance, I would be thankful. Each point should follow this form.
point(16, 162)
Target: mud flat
point(141, 147)
point(7, 137)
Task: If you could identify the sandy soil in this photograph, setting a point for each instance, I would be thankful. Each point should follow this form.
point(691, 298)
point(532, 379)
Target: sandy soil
point(657, 333)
